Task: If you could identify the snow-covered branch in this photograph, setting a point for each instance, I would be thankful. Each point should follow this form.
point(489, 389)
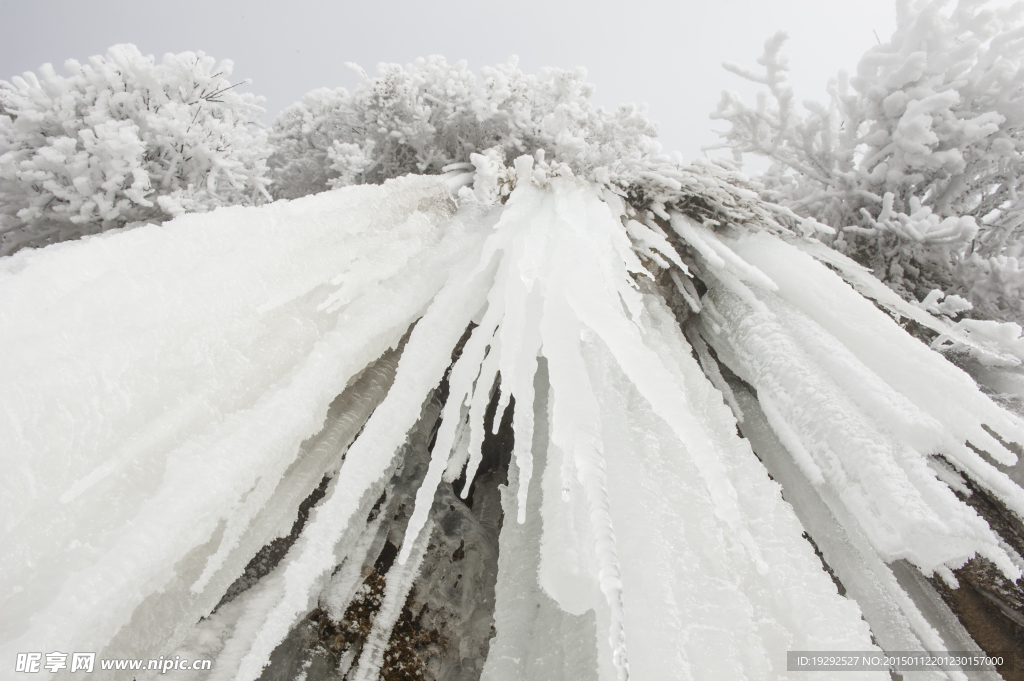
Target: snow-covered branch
point(918, 158)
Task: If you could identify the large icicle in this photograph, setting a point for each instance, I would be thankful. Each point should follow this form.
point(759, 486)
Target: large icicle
point(176, 608)
point(896, 623)
point(187, 361)
point(864, 439)
point(923, 376)
point(535, 639)
point(576, 431)
point(344, 419)
point(582, 284)
point(421, 367)
point(716, 588)
point(871, 287)
point(506, 338)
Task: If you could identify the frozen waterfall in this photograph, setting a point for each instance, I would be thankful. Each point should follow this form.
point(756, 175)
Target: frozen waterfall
point(334, 376)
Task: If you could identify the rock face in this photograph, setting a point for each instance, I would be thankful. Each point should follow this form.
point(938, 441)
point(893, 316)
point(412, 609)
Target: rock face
point(990, 606)
point(445, 626)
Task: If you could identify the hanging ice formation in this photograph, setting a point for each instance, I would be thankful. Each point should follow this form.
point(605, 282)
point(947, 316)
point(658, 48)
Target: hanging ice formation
point(171, 394)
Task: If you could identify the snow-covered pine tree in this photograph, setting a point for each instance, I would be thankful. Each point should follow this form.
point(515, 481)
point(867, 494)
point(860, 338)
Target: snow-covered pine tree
point(917, 160)
point(527, 417)
point(124, 140)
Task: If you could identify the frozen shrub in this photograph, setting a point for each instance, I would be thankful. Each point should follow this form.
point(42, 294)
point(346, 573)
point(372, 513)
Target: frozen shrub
point(431, 117)
point(423, 117)
point(121, 141)
point(917, 159)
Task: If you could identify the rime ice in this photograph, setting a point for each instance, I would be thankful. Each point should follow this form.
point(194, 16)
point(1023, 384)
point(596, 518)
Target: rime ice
point(172, 393)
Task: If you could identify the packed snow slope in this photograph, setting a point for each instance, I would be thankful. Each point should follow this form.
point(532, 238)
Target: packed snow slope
point(167, 403)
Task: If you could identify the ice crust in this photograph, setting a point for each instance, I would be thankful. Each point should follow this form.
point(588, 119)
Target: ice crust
point(671, 584)
point(861, 405)
point(896, 622)
point(173, 393)
point(152, 365)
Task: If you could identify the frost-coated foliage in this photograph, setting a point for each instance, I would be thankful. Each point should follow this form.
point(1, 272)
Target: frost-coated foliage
point(423, 117)
point(124, 140)
point(918, 159)
point(432, 117)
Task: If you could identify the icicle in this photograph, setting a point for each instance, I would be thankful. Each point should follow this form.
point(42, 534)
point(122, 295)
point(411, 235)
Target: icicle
point(656, 242)
point(535, 638)
point(460, 450)
point(512, 327)
point(255, 604)
point(646, 371)
point(711, 314)
point(740, 267)
point(921, 375)
point(460, 387)
point(728, 279)
point(343, 585)
point(691, 590)
point(580, 219)
point(478, 412)
point(686, 290)
point(520, 343)
point(517, 374)
point(895, 621)
point(399, 582)
point(717, 254)
point(860, 278)
point(353, 407)
point(988, 476)
point(789, 439)
point(439, 461)
point(882, 482)
point(687, 230)
point(423, 363)
point(949, 475)
point(576, 430)
point(522, 416)
point(711, 370)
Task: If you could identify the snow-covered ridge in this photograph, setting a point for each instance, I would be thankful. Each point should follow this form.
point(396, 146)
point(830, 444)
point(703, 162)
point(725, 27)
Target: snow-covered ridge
point(167, 397)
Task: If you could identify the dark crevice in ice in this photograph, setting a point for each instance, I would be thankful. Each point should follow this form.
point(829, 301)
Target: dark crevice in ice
point(271, 554)
point(824, 563)
point(990, 606)
point(444, 630)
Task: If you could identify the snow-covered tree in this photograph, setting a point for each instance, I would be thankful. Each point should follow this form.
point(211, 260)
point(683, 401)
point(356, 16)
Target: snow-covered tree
point(431, 114)
point(917, 160)
point(124, 140)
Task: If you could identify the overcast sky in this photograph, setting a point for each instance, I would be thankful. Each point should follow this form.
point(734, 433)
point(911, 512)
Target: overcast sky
point(666, 54)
